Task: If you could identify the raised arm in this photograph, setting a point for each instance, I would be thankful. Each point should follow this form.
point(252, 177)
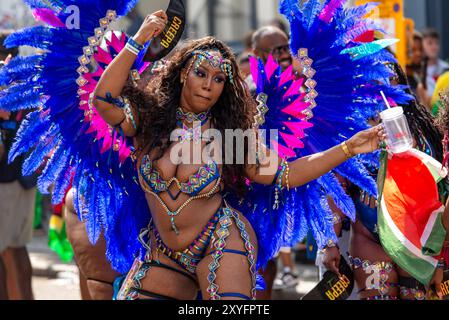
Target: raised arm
point(116, 75)
point(304, 170)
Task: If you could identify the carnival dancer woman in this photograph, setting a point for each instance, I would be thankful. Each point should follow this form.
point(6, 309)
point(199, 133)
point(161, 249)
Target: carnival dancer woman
point(367, 253)
point(201, 83)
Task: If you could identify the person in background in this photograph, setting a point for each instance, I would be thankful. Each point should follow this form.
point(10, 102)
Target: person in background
point(243, 58)
point(414, 69)
point(435, 66)
point(265, 41)
point(280, 24)
point(17, 201)
point(441, 86)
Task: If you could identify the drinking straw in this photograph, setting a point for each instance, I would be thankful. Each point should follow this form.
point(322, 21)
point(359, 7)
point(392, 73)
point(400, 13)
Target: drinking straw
point(385, 100)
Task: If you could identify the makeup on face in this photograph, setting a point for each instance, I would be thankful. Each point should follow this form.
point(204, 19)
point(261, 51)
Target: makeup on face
point(204, 83)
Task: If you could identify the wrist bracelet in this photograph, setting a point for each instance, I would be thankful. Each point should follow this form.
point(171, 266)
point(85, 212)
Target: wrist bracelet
point(329, 244)
point(346, 150)
point(336, 219)
point(441, 264)
point(133, 46)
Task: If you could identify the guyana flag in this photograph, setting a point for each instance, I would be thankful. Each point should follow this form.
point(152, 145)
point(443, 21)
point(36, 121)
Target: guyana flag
point(410, 212)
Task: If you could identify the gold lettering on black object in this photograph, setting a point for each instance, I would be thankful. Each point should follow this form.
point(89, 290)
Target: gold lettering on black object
point(445, 288)
point(171, 33)
point(338, 288)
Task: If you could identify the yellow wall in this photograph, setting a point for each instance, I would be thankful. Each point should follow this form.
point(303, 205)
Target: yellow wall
point(391, 15)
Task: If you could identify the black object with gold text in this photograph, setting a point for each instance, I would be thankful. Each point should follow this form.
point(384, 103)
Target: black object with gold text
point(445, 285)
point(163, 44)
point(332, 287)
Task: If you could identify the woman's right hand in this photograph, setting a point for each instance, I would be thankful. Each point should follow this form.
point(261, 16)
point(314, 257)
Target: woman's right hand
point(331, 260)
point(151, 27)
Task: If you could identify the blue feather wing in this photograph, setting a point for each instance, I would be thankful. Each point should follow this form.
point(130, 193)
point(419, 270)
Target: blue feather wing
point(58, 138)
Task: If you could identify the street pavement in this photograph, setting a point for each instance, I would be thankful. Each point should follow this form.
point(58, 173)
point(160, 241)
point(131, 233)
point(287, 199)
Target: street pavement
point(55, 280)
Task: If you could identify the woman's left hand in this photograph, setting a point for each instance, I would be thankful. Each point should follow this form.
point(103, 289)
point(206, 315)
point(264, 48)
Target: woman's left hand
point(366, 141)
point(436, 282)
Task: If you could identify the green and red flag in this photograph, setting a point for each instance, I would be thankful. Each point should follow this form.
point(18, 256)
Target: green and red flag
point(410, 212)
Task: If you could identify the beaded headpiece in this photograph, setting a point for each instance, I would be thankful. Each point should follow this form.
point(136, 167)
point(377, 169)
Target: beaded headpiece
point(215, 61)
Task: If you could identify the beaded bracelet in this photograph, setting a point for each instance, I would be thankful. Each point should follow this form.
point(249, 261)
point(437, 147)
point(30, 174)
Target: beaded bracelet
point(278, 183)
point(128, 113)
point(282, 169)
point(124, 104)
point(287, 173)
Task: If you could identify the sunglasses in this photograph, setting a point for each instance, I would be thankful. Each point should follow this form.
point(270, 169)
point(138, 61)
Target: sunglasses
point(277, 51)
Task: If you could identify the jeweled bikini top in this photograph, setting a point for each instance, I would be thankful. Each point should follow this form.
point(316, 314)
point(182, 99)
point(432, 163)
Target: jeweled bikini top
point(196, 183)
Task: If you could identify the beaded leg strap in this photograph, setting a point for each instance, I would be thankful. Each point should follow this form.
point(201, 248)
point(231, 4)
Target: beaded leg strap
point(220, 244)
point(222, 233)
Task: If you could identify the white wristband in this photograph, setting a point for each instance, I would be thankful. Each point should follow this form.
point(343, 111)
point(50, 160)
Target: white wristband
point(131, 49)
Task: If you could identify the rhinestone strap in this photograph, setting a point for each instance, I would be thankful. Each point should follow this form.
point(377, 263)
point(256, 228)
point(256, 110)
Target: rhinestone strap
point(250, 249)
point(220, 244)
point(173, 214)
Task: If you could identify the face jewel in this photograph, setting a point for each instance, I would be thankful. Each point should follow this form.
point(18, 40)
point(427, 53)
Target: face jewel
point(303, 53)
point(81, 81)
point(111, 14)
point(84, 60)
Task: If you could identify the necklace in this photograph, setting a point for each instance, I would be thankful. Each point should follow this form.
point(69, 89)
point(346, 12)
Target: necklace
point(198, 121)
point(191, 117)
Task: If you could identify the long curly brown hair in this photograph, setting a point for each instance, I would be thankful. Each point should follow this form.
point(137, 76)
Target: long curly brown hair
point(158, 102)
